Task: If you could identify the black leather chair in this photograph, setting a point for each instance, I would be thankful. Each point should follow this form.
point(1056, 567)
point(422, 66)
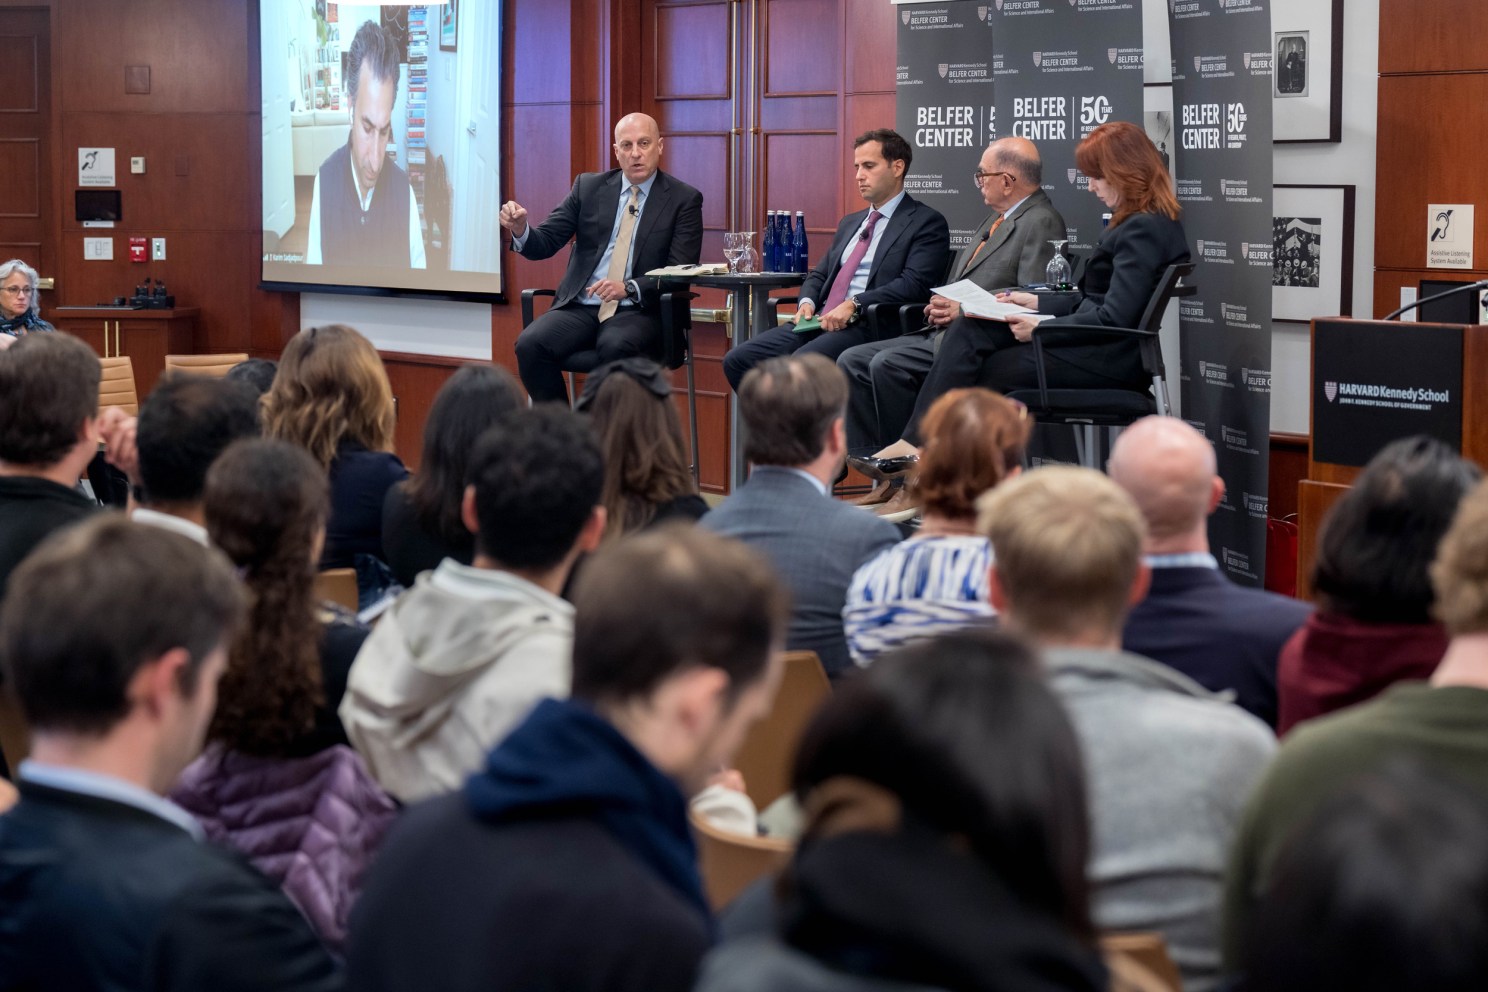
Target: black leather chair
point(676, 351)
point(1088, 410)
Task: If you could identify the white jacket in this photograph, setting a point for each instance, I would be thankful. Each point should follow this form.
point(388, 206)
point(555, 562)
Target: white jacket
point(453, 666)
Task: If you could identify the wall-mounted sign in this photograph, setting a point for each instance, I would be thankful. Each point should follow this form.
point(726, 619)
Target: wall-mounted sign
point(1449, 236)
point(95, 167)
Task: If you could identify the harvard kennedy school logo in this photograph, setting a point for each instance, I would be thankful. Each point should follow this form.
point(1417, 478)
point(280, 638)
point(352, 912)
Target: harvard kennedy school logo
point(982, 13)
point(1330, 390)
point(904, 14)
point(942, 68)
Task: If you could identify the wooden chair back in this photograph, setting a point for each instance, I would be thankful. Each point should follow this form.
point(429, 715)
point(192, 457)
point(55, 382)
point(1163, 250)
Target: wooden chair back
point(213, 366)
point(1139, 962)
point(117, 387)
point(338, 585)
point(768, 751)
point(731, 862)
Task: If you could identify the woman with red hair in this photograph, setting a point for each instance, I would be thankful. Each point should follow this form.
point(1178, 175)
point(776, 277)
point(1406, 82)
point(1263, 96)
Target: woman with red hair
point(1143, 238)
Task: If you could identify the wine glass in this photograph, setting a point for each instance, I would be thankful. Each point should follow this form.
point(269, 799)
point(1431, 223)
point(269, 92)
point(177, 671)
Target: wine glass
point(1057, 273)
point(733, 249)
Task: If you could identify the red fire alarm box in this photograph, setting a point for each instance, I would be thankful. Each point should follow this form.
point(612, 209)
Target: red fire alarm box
point(138, 250)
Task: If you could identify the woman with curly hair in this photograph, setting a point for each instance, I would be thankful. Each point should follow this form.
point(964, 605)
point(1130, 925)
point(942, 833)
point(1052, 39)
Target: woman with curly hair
point(276, 749)
point(937, 580)
point(331, 397)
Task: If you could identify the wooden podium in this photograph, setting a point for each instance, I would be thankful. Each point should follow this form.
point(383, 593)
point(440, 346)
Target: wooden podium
point(1374, 382)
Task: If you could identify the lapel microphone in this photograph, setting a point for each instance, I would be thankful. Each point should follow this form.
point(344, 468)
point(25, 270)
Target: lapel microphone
point(633, 211)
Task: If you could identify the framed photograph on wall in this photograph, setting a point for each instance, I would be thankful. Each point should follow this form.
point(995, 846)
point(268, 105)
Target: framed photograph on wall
point(1312, 243)
point(1307, 71)
point(448, 22)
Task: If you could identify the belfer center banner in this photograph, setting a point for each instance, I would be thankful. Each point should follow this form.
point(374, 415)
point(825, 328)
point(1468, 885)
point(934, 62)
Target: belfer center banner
point(1222, 67)
point(944, 106)
point(1063, 68)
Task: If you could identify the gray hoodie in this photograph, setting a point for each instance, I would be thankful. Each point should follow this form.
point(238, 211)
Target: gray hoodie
point(452, 667)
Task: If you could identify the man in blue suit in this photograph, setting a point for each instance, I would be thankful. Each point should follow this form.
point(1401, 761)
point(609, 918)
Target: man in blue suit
point(894, 252)
point(1221, 635)
point(793, 409)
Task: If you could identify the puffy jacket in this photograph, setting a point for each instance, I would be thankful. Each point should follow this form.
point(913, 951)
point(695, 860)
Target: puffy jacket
point(311, 824)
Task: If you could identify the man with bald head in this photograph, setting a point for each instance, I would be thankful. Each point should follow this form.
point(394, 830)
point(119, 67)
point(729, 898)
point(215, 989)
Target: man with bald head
point(623, 223)
point(1223, 636)
point(1010, 248)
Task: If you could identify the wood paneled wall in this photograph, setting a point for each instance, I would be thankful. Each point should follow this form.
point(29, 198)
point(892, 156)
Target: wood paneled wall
point(1433, 86)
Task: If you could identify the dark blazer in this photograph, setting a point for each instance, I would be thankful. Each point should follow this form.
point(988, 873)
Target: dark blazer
point(815, 542)
point(100, 895)
point(543, 904)
point(911, 256)
point(360, 480)
point(670, 231)
point(1221, 635)
point(1119, 278)
point(1017, 253)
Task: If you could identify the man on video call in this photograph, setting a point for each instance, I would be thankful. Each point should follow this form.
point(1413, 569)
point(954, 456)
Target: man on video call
point(362, 211)
point(624, 223)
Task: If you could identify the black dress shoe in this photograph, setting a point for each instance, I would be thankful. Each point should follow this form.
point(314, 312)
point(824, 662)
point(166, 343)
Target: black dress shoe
point(884, 469)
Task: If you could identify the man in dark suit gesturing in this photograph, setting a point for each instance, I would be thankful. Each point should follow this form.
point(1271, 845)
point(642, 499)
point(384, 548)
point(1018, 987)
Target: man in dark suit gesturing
point(893, 252)
point(624, 222)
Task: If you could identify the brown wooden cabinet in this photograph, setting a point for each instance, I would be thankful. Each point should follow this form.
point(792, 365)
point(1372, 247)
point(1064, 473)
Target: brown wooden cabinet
point(146, 336)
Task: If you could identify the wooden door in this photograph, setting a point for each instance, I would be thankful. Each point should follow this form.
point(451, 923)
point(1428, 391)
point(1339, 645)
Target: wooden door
point(26, 208)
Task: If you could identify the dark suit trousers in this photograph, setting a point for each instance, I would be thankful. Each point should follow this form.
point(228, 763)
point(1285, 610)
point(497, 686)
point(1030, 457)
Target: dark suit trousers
point(784, 340)
point(545, 347)
point(883, 378)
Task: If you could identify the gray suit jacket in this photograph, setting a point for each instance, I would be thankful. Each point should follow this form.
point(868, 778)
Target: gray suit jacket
point(815, 542)
point(1017, 253)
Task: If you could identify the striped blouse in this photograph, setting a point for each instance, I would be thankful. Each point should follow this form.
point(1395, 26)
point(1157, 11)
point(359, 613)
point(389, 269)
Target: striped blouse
point(915, 589)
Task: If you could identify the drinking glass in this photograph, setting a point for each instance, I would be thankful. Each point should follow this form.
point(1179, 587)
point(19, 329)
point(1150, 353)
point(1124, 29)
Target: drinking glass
point(733, 249)
point(1057, 273)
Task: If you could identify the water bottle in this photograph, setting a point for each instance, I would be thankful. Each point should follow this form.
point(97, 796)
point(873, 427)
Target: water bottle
point(787, 246)
point(769, 246)
point(799, 250)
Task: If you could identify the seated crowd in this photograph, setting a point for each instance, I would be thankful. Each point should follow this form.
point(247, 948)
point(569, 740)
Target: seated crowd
point(1052, 719)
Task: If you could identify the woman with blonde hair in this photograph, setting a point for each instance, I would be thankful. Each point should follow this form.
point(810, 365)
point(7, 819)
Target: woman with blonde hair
point(937, 580)
point(331, 396)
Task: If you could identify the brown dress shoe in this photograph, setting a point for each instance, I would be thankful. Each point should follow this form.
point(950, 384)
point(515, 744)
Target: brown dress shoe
point(880, 492)
point(900, 502)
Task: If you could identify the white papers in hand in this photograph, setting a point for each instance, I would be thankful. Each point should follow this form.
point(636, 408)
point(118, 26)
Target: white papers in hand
point(977, 302)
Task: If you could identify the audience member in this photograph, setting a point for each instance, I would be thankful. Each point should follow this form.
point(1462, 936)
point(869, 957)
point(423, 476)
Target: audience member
point(257, 373)
point(893, 252)
point(946, 840)
point(277, 780)
point(648, 479)
point(20, 302)
point(1169, 764)
point(266, 510)
point(49, 432)
point(421, 520)
point(114, 636)
point(793, 408)
point(568, 863)
point(331, 396)
point(1374, 625)
point(184, 425)
point(461, 658)
point(1438, 724)
point(1224, 636)
point(937, 580)
point(1386, 888)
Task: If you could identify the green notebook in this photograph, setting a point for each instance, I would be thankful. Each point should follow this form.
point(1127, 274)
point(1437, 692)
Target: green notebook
point(809, 324)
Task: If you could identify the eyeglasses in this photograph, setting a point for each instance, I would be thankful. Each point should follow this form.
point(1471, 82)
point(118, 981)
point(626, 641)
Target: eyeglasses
point(980, 177)
point(16, 290)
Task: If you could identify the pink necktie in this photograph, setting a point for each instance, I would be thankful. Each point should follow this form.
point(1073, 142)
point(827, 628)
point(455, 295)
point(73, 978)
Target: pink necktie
point(838, 295)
